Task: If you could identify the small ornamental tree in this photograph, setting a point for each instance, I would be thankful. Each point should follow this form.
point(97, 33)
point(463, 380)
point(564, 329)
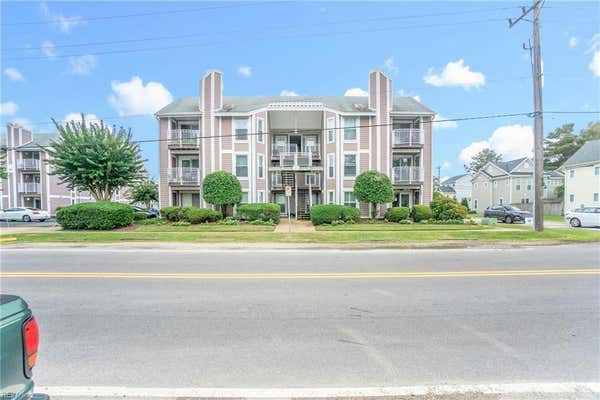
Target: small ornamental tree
point(3, 173)
point(145, 191)
point(90, 157)
point(465, 203)
point(222, 189)
point(375, 188)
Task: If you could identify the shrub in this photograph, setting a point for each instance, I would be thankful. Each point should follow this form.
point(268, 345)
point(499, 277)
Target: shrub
point(95, 215)
point(404, 222)
point(465, 203)
point(397, 214)
point(181, 223)
point(195, 215)
point(259, 222)
point(222, 189)
point(152, 221)
point(138, 215)
point(172, 214)
point(259, 212)
point(327, 213)
point(446, 208)
point(420, 213)
point(375, 188)
point(228, 221)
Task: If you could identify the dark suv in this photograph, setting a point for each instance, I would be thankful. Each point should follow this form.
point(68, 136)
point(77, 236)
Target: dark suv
point(508, 214)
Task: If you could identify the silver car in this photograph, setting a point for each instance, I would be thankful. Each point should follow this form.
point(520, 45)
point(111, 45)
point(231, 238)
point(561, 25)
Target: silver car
point(25, 214)
point(581, 217)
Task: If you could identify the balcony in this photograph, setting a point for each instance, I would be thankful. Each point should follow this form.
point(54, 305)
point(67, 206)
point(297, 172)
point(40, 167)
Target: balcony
point(407, 175)
point(184, 176)
point(277, 150)
point(304, 180)
point(407, 137)
point(28, 164)
point(295, 160)
point(184, 138)
point(30, 187)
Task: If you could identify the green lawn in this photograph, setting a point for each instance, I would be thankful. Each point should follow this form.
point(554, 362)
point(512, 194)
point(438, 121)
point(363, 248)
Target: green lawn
point(386, 237)
point(205, 228)
point(378, 227)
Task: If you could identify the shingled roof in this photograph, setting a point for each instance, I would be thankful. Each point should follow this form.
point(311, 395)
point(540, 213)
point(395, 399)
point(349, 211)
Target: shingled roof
point(588, 153)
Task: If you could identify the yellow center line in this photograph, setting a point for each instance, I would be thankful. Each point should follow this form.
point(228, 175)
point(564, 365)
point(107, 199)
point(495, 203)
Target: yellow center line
point(302, 275)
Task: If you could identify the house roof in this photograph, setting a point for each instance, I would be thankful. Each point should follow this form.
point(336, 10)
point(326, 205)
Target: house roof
point(447, 190)
point(453, 179)
point(588, 153)
point(244, 104)
point(509, 165)
point(40, 140)
point(554, 174)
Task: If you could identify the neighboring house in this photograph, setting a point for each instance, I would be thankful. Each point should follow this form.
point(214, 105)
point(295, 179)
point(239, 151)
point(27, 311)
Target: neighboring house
point(447, 191)
point(462, 186)
point(582, 177)
point(316, 145)
point(29, 182)
point(509, 182)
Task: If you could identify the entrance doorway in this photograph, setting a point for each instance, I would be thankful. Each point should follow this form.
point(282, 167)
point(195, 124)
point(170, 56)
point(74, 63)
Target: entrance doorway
point(295, 143)
point(189, 199)
point(33, 202)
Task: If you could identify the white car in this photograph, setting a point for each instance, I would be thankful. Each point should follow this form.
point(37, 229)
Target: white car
point(25, 214)
point(586, 216)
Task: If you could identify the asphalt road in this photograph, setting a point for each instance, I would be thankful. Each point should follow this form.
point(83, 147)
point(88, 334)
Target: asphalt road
point(463, 318)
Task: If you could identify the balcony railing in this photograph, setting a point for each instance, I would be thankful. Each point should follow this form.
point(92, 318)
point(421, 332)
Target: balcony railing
point(31, 164)
point(303, 180)
point(295, 160)
point(407, 174)
point(407, 137)
point(184, 137)
point(29, 187)
point(277, 150)
point(184, 175)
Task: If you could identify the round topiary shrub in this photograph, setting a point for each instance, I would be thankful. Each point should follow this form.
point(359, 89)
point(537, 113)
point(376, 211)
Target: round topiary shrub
point(222, 189)
point(420, 213)
point(95, 216)
point(397, 214)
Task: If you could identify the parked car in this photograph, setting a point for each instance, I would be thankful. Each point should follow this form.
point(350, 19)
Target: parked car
point(152, 213)
point(25, 214)
point(19, 339)
point(508, 214)
point(581, 217)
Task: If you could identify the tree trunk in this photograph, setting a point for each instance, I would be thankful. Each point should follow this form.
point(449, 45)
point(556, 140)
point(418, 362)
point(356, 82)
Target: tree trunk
point(224, 210)
point(373, 210)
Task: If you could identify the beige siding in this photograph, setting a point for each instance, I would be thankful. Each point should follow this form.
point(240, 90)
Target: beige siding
point(427, 161)
point(163, 163)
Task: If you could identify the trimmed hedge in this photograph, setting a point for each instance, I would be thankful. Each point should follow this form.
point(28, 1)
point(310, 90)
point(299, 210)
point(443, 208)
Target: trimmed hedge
point(446, 208)
point(259, 212)
point(95, 215)
point(193, 215)
point(420, 213)
point(174, 213)
point(397, 214)
point(138, 215)
point(328, 213)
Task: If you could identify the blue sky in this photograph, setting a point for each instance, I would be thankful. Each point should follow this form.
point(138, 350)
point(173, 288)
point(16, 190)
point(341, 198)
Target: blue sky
point(460, 59)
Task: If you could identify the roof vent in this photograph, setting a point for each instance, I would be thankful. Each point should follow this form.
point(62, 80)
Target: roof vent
point(227, 107)
point(360, 107)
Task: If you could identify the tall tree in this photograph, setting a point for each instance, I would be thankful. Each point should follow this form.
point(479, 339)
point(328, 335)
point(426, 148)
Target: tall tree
point(479, 160)
point(562, 143)
point(375, 188)
point(90, 157)
point(145, 191)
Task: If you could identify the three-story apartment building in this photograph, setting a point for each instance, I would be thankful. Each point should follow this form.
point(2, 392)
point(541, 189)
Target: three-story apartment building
point(316, 145)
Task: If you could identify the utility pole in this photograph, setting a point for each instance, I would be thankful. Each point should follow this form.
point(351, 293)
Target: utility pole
point(538, 130)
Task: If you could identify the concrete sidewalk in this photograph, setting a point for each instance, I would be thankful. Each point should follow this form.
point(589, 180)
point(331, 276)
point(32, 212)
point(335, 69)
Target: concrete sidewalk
point(297, 226)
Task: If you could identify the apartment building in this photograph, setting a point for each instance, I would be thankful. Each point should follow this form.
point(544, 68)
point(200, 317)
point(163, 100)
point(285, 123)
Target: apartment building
point(510, 182)
point(316, 145)
point(582, 177)
point(29, 182)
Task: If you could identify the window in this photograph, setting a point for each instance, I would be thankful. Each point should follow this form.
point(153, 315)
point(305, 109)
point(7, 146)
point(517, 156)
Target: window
point(310, 178)
point(349, 199)
point(476, 185)
point(571, 173)
point(261, 165)
point(350, 129)
point(244, 198)
point(240, 127)
point(596, 171)
point(518, 185)
point(330, 130)
point(475, 203)
point(500, 201)
point(241, 166)
point(529, 184)
point(485, 184)
point(331, 197)
point(261, 196)
point(595, 197)
point(330, 166)
point(282, 201)
point(350, 165)
point(495, 183)
point(260, 129)
point(571, 198)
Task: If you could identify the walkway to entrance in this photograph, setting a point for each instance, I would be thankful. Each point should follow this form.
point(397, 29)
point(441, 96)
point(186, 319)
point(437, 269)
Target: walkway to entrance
point(297, 226)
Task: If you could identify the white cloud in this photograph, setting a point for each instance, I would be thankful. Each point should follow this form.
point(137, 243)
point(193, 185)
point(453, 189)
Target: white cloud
point(48, 49)
point(510, 141)
point(133, 97)
point(286, 92)
point(13, 74)
point(390, 65)
point(24, 122)
point(594, 44)
point(446, 165)
point(89, 118)
point(443, 124)
point(356, 92)
point(64, 24)
point(573, 40)
point(245, 71)
point(405, 93)
point(82, 65)
point(8, 108)
point(455, 74)
point(595, 64)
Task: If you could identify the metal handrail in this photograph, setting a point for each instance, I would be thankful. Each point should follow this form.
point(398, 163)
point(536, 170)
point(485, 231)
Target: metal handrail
point(407, 137)
point(29, 187)
point(183, 175)
point(184, 137)
point(28, 163)
point(407, 174)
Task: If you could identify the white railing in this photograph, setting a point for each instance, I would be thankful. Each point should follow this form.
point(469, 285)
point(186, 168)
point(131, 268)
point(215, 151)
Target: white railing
point(184, 137)
point(184, 175)
point(295, 160)
point(407, 174)
point(315, 181)
point(277, 150)
point(29, 187)
point(407, 137)
point(276, 180)
point(28, 163)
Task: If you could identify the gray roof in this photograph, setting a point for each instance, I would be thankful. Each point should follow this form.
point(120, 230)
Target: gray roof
point(554, 174)
point(40, 140)
point(588, 153)
point(244, 104)
point(509, 165)
point(447, 190)
point(453, 179)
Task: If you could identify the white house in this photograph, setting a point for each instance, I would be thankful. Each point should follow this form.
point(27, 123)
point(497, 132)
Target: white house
point(582, 177)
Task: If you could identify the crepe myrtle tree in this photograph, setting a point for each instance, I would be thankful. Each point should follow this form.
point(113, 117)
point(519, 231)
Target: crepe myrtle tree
point(375, 188)
point(144, 191)
point(222, 189)
point(91, 157)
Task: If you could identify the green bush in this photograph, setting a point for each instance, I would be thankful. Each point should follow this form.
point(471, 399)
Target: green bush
point(138, 215)
point(465, 203)
point(95, 215)
point(259, 222)
point(259, 212)
point(228, 221)
point(446, 208)
point(152, 221)
point(181, 223)
point(397, 214)
point(420, 213)
point(222, 189)
point(375, 188)
point(173, 214)
point(195, 215)
point(327, 213)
